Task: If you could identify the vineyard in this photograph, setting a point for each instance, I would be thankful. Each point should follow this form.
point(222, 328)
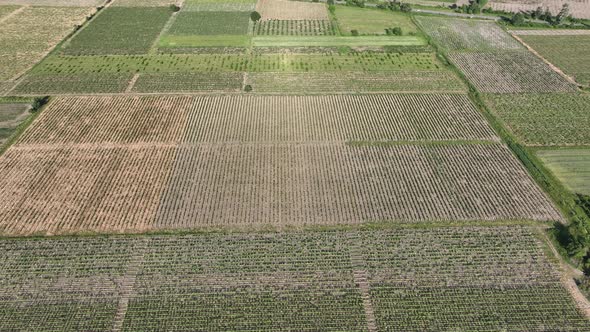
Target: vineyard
point(578, 8)
point(294, 280)
point(571, 166)
point(210, 23)
point(545, 119)
point(219, 5)
point(136, 30)
point(209, 119)
point(72, 83)
point(291, 10)
point(372, 22)
point(568, 52)
point(473, 35)
point(54, 3)
point(510, 72)
point(355, 82)
point(189, 82)
point(294, 28)
point(28, 36)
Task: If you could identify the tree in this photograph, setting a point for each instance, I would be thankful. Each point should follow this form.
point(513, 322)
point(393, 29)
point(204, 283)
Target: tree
point(174, 8)
point(517, 19)
point(563, 14)
point(255, 16)
point(538, 13)
point(354, 32)
point(405, 7)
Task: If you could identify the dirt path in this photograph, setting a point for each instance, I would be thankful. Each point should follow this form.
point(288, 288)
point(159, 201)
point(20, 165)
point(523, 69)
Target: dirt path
point(360, 278)
point(131, 83)
point(14, 13)
point(552, 66)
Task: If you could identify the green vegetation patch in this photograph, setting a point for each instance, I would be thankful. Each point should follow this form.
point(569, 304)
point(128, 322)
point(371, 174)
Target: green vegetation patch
point(11, 116)
point(189, 82)
point(294, 28)
point(571, 166)
point(48, 84)
point(355, 61)
point(372, 21)
point(189, 41)
point(120, 30)
point(335, 41)
point(570, 53)
point(210, 23)
point(544, 119)
point(5, 10)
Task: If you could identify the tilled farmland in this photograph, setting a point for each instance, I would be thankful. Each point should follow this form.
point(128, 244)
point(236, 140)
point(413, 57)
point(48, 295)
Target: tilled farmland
point(255, 281)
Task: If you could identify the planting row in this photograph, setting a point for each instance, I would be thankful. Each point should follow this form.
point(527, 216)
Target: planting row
point(419, 279)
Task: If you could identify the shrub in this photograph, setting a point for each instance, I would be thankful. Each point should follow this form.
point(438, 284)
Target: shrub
point(174, 8)
point(354, 32)
point(38, 103)
point(248, 88)
point(255, 16)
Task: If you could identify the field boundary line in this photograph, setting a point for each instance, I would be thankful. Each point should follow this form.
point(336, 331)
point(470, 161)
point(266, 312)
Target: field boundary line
point(552, 66)
point(154, 47)
point(14, 13)
point(127, 287)
point(359, 272)
point(132, 83)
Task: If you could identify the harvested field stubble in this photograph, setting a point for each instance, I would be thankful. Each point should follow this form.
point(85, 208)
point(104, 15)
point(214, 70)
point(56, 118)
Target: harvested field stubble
point(293, 280)
point(75, 83)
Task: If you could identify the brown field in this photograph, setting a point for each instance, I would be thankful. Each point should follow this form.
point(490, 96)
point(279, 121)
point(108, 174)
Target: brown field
point(291, 10)
point(56, 3)
point(145, 3)
point(554, 32)
point(91, 188)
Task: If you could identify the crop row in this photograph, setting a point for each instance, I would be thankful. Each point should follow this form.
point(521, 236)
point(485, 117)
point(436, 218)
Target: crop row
point(48, 84)
point(218, 119)
point(291, 10)
point(359, 61)
point(26, 37)
point(462, 34)
point(295, 280)
point(210, 23)
point(294, 28)
point(510, 72)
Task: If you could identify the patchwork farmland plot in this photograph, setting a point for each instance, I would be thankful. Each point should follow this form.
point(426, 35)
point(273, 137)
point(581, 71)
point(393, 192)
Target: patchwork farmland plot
point(372, 22)
point(72, 84)
point(189, 82)
point(461, 34)
point(568, 52)
point(210, 23)
point(119, 30)
point(578, 8)
point(28, 36)
point(251, 119)
point(291, 10)
point(219, 5)
point(355, 82)
point(5, 10)
point(571, 166)
point(296, 281)
point(545, 119)
point(144, 3)
point(336, 41)
point(294, 28)
point(54, 3)
point(510, 72)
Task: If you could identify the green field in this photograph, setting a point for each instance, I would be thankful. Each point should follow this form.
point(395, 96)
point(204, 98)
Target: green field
point(169, 41)
point(414, 279)
point(11, 116)
point(544, 119)
point(571, 166)
point(210, 23)
point(570, 53)
point(120, 30)
point(335, 41)
point(372, 21)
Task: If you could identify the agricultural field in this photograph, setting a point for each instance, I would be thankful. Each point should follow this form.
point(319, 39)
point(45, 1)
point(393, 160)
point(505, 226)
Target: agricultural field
point(12, 114)
point(119, 30)
point(291, 10)
point(292, 280)
point(54, 3)
point(510, 72)
point(568, 52)
point(355, 82)
point(544, 119)
point(6, 10)
point(571, 166)
point(189, 82)
point(372, 21)
point(467, 35)
point(210, 23)
point(73, 84)
point(578, 8)
point(219, 5)
point(144, 3)
point(337, 41)
point(319, 169)
point(294, 28)
point(27, 36)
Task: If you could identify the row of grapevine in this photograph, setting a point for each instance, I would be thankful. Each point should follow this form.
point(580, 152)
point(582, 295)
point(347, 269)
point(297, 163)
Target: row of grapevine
point(292, 280)
point(294, 28)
